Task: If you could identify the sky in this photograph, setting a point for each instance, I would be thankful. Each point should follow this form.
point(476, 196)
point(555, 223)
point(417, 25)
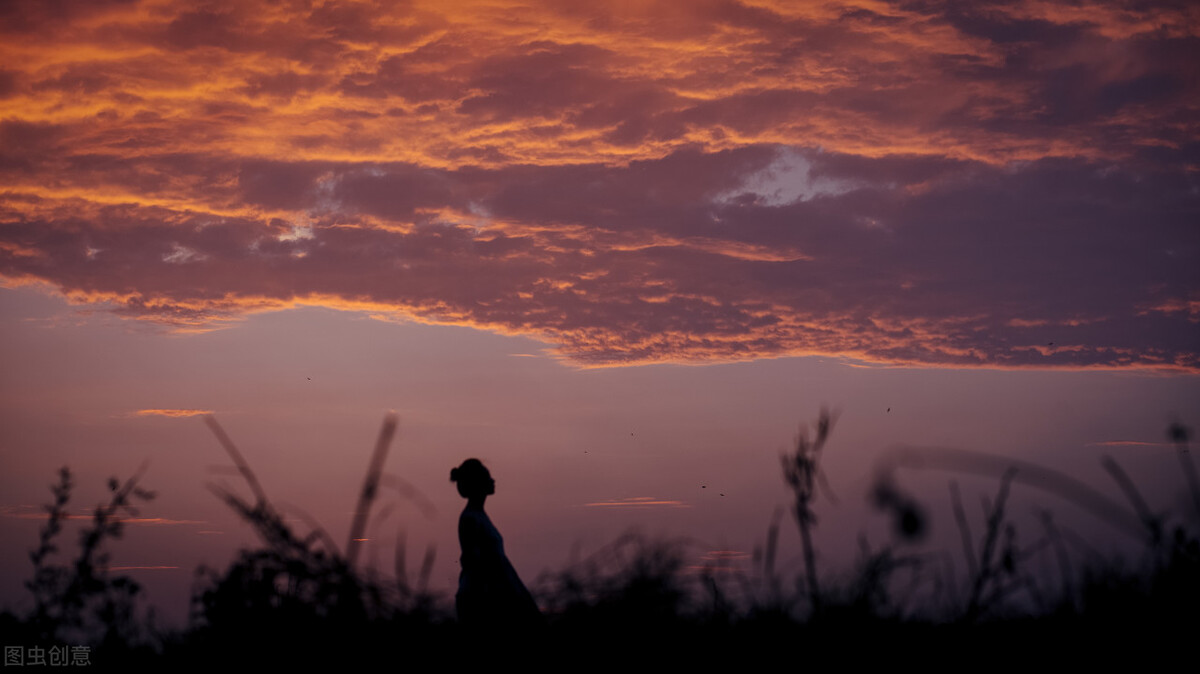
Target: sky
point(617, 250)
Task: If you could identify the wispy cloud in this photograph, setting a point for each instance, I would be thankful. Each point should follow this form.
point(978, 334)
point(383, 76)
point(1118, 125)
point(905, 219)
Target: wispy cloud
point(638, 502)
point(720, 561)
point(724, 555)
point(171, 413)
point(158, 521)
point(30, 512)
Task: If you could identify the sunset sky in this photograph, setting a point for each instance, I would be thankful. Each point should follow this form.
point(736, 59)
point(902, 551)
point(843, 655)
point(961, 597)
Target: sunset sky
point(617, 250)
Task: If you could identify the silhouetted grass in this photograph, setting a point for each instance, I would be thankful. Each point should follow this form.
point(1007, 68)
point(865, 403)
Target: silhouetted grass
point(77, 600)
point(297, 599)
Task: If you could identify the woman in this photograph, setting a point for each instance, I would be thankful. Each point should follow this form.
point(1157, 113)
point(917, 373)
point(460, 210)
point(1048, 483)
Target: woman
point(490, 593)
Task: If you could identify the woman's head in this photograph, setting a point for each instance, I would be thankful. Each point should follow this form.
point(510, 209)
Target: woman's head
point(473, 479)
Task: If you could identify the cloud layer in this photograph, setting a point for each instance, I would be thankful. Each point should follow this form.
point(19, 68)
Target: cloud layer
point(1013, 184)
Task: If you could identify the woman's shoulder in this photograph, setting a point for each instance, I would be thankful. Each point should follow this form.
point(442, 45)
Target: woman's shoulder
point(473, 518)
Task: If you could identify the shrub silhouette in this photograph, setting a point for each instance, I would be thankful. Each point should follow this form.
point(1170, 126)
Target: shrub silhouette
point(298, 598)
point(629, 584)
point(80, 601)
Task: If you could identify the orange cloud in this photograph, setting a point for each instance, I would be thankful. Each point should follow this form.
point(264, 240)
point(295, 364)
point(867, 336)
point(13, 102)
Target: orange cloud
point(629, 182)
point(38, 513)
point(637, 502)
point(171, 413)
point(724, 555)
point(158, 520)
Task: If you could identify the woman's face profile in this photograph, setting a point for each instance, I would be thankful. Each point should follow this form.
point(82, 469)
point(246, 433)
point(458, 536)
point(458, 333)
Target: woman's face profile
point(478, 483)
point(483, 484)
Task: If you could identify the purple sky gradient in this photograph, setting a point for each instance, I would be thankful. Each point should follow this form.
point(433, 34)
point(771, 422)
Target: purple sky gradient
point(557, 438)
point(617, 251)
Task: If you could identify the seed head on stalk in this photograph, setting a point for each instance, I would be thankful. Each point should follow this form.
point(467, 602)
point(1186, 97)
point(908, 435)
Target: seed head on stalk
point(801, 472)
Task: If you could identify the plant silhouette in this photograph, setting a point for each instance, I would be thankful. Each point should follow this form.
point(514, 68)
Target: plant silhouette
point(81, 600)
point(299, 600)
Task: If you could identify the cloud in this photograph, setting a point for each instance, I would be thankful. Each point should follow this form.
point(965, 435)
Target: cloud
point(158, 521)
point(940, 185)
point(721, 561)
point(171, 413)
point(639, 502)
point(28, 512)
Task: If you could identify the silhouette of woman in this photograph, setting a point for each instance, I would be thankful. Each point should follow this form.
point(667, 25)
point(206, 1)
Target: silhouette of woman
point(490, 594)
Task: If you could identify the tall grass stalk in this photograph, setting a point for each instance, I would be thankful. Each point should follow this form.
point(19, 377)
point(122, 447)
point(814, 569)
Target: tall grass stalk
point(801, 472)
point(370, 487)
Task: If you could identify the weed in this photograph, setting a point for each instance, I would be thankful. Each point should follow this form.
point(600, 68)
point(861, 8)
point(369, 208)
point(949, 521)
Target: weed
point(299, 585)
point(802, 472)
point(632, 581)
point(81, 601)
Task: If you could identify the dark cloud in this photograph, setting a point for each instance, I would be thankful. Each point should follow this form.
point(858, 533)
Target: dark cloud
point(543, 80)
point(204, 28)
point(8, 83)
point(38, 16)
point(280, 184)
point(286, 84)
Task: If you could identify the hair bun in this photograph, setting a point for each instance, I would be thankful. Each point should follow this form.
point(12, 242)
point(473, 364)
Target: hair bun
point(454, 475)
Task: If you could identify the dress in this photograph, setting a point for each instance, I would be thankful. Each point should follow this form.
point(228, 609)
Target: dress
point(489, 591)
